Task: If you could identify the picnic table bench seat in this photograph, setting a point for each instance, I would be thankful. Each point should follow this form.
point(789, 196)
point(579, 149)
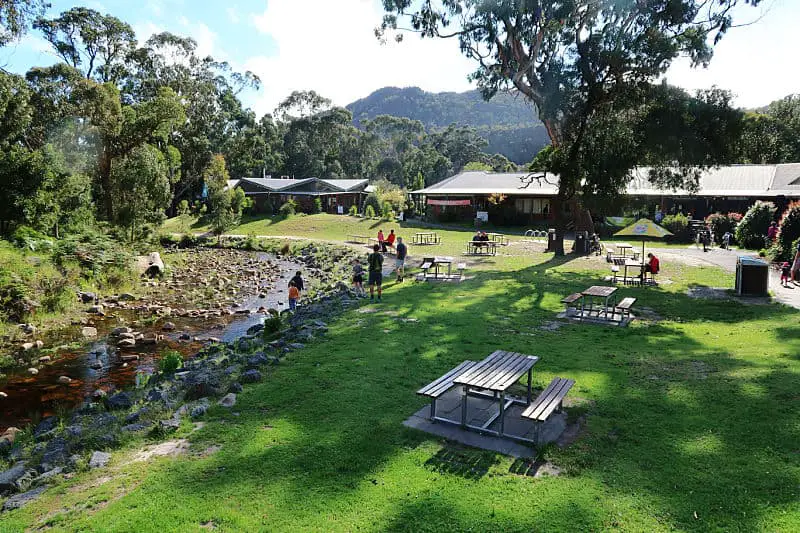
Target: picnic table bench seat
point(461, 268)
point(548, 402)
point(571, 300)
point(443, 384)
point(625, 305)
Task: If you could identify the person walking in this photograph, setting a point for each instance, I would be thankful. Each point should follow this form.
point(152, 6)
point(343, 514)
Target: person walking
point(375, 272)
point(772, 231)
point(358, 278)
point(294, 295)
point(796, 265)
point(298, 281)
point(400, 262)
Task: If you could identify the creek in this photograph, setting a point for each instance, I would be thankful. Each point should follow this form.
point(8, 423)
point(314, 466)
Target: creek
point(216, 295)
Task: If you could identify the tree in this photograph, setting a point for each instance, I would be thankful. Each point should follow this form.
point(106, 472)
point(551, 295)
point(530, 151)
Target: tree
point(141, 188)
point(583, 63)
point(216, 174)
point(97, 45)
point(16, 15)
point(220, 212)
point(459, 144)
point(752, 230)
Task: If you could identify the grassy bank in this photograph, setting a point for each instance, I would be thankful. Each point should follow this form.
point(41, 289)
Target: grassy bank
point(691, 418)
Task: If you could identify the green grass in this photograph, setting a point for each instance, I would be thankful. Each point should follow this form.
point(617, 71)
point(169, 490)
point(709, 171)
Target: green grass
point(691, 421)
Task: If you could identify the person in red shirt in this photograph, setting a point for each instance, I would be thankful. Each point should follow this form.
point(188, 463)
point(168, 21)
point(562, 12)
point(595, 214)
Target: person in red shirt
point(381, 241)
point(390, 239)
point(652, 265)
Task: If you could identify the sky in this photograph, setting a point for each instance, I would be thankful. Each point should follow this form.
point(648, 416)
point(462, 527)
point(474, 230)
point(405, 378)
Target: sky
point(329, 46)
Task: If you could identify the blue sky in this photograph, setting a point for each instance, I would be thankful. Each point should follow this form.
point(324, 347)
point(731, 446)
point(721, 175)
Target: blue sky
point(328, 46)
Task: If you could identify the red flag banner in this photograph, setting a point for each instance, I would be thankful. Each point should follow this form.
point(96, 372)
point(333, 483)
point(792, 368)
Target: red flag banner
point(431, 201)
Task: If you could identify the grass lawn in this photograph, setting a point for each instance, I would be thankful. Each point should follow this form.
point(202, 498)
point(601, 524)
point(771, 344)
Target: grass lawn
point(692, 421)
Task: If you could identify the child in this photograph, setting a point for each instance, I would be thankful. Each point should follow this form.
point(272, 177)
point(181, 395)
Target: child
point(786, 272)
point(358, 278)
point(294, 294)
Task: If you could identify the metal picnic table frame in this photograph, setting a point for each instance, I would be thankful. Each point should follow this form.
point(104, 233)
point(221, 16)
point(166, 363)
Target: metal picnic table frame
point(474, 247)
point(597, 291)
point(426, 237)
point(632, 263)
point(491, 379)
point(499, 238)
point(439, 261)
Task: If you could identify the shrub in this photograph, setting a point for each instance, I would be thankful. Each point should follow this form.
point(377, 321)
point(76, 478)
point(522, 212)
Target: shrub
point(679, 225)
point(720, 224)
point(288, 209)
point(27, 237)
point(183, 208)
point(353, 210)
point(372, 200)
point(752, 229)
point(317, 205)
point(788, 232)
point(273, 325)
point(170, 362)
point(386, 211)
point(369, 212)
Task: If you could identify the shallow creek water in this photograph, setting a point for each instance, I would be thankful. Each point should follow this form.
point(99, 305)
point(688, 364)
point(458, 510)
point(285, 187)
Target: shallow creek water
point(98, 364)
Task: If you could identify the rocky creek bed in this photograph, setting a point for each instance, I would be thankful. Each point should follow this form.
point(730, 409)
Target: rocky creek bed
point(83, 418)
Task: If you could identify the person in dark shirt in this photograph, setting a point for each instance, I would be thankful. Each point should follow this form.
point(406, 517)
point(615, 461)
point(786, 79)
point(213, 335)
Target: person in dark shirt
point(298, 281)
point(375, 272)
point(399, 265)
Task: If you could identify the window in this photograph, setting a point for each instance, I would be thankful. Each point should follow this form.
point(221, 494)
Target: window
point(536, 206)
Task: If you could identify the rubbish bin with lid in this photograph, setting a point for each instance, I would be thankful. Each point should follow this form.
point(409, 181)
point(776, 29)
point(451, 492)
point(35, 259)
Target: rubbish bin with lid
point(752, 276)
point(551, 240)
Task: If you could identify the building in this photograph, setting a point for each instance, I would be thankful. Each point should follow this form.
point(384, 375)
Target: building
point(336, 195)
point(521, 198)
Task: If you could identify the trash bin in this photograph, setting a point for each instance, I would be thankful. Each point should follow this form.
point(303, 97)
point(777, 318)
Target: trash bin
point(581, 243)
point(752, 276)
point(551, 240)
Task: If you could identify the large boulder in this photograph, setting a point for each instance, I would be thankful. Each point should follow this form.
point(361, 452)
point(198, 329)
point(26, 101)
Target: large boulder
point(99, 459)
point(55, 454)
point(15, 502)
point(16, 479)
point(45, 426)
point(200, 384)
point(251, 376)
point(119, 401)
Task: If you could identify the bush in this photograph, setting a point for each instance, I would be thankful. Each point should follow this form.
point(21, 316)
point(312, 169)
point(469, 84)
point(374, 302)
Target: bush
point(317, 205)
point(170, 362)
point(183, 208)
point(721, 224)
point(369, 212)
point(288, 209)
point(788, 232)
point(353, 210)
point(387, 212)
point(374, 202)
point(679, 225)
point(272, 327)
point(752, 229)
point(27, 237)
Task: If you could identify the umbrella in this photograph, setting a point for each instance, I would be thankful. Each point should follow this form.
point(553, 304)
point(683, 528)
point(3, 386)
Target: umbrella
point(643, 228)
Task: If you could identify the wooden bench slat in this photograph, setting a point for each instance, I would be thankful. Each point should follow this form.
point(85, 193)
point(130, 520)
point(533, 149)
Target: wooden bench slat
point(502, 375)
point(437, 387)
point(482, 366)
point(626, 303)
point(572, 298)
point(491, 375)
point(544, 404)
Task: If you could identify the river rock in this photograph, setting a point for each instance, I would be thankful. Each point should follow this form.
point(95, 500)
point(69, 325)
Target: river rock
point(251, 376)
point(96, 365)
point(96, 310)
point(171, 424)
point(45, 426)
point(89, 332)
point(15, 502)
point(99, 459)
point(133, 428)
point(229, 400)
point(201, 383)
point(119, 401)
point(126, 297)
point(33, 371)
point(39, 345)
point(199, 410)
point(15, 479)
point(45, 359)
point(64, 380)
point(155, 395)
point(168, 326)
point(87, 297)
point(119, 331)
point(10, 435)
point(3, 395)
point(28, 329)
point(126, 343)
point(258, 359)
point(27, 346)
point(55, 454)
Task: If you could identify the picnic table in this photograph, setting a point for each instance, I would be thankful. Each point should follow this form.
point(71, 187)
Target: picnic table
point(479, 247)
point(359, 239)
point(601, 292)
point(426, 237)
point(623, 247)
point(499, 238)
point(441, 262)
point(632, 263)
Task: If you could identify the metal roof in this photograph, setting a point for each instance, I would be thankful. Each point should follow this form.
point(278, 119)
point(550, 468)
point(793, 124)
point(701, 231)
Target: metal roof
point(277, 185)
point(733, 180)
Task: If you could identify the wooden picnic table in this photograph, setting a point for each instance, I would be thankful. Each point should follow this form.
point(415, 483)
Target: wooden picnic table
point(439, 262)
point(426, 237)
point(632, 263)
point(597, 291)
point(623, 247)
point(360, 239)
point(477, 247)
point(499, 238)
point(491, 378)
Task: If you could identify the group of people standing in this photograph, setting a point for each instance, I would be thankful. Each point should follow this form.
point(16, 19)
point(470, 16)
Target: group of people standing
point(375, 265)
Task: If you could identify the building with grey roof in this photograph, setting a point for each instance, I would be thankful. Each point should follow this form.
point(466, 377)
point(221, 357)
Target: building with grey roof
point(526, 197)
point(335, 194)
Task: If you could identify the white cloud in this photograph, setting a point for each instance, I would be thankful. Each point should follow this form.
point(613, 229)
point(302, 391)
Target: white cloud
point(330, 47)
point(233, 15)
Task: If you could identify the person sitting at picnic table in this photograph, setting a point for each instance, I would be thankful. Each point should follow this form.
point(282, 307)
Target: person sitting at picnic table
point(477, 238)
point(390, 239)
point(381, 241)
point(653, 265)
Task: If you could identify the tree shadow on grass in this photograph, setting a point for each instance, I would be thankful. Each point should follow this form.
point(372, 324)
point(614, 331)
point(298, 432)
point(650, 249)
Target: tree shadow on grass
point(680, 436)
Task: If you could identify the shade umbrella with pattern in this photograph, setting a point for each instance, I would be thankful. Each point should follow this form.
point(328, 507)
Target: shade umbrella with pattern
point(643, 228)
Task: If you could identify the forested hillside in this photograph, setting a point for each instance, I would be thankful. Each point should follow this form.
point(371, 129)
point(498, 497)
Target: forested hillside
point(508, 123)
